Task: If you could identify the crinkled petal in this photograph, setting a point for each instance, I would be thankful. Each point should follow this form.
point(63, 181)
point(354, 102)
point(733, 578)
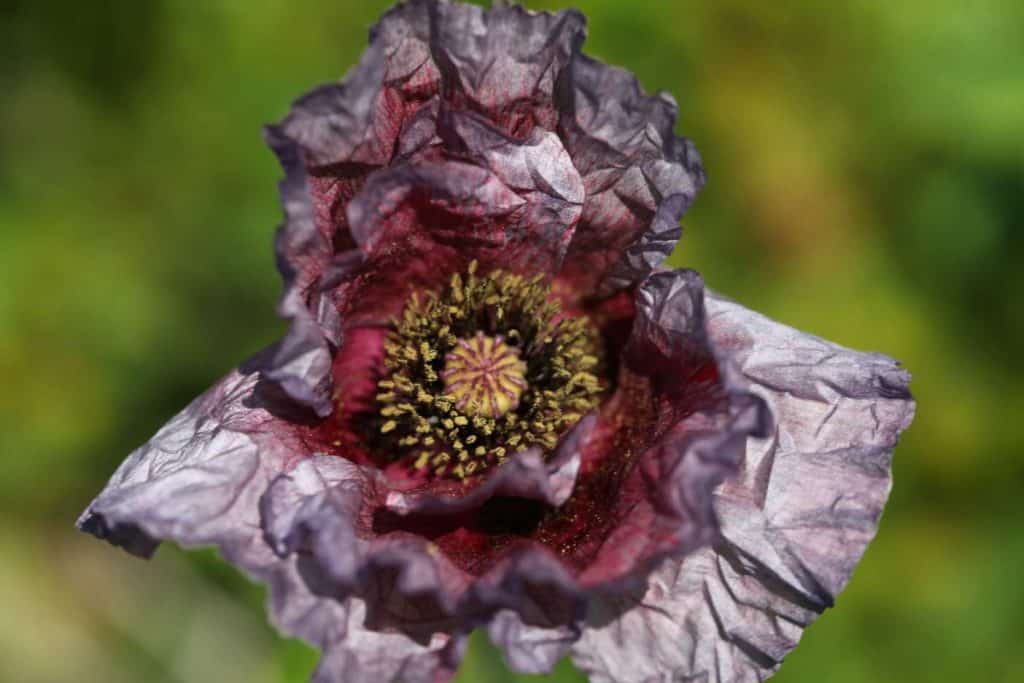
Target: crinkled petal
point(693, 414)
point(537, 167)
point(432, 66)
point(301, 364)
point(504, 62)
point(335, 123)
point(794, 524)
point(198, 483)
point(525, 475)
point(500, 63)
point(351, 651)
point(340, 133)
point(198, 479)
point(530, 649)
point(505, 203)
point(530, 185)
point(345, 521)
point(319, 511)
point(326, 511)
point(640, 177)
point(315, 513)
point(333, 138)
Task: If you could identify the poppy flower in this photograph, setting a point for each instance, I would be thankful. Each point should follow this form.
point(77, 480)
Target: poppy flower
point(495, 408)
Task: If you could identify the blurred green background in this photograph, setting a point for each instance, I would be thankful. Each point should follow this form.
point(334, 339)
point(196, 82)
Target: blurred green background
point(866, 165)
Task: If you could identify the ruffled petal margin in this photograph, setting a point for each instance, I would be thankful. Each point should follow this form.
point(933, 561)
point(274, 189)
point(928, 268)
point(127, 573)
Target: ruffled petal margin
point(794, 523)
point(198, 483)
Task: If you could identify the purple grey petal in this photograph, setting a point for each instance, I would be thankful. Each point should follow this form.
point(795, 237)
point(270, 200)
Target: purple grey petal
point(640, 177)
point(504, 62)
point(351, 651)
point(334, 123)
point(699, 415)
point(431, 67)
point(322, 510)
point(302, 364)
point(530, 649)
point(198, 483)
point(525, 475)
point(507, 203)
point(317, 511)
point(794, 524)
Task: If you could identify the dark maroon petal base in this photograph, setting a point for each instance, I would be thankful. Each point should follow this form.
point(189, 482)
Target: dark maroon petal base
point(535, 540)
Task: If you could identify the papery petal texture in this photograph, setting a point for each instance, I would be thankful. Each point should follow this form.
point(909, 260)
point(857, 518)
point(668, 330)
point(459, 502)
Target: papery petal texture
point(521, 127)
point(688, 514)
point(434, 561)
point(794, 523)
point(198, 483)
point(639, 176)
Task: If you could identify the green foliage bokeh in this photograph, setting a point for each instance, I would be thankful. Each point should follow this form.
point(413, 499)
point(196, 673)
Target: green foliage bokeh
point(866, 165)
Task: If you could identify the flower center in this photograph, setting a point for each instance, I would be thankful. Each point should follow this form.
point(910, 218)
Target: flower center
point(484, 376)
point(481, 370)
